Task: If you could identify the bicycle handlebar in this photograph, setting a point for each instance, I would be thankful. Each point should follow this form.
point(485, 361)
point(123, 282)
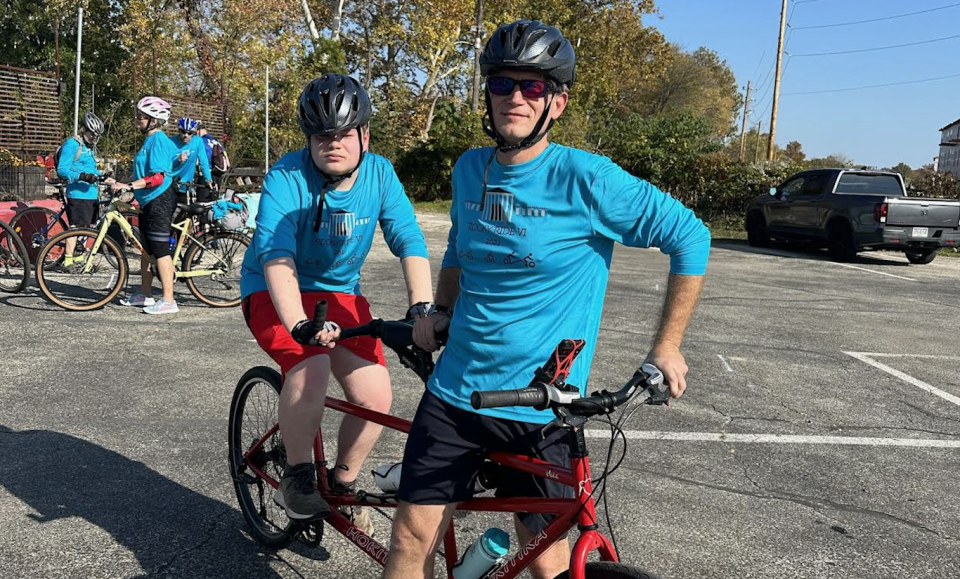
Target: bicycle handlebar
point(543, 396)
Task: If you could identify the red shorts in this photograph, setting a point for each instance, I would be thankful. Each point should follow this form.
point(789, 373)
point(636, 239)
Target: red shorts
point(348, 310)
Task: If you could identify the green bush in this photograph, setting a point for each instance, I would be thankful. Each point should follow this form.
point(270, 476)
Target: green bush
point(426, 168)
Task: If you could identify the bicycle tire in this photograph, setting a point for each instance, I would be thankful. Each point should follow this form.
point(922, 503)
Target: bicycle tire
point(14, 261)
point(222, 249)
point(29, 222)
point(610, 570)
point(253, 412)
point(61, 286)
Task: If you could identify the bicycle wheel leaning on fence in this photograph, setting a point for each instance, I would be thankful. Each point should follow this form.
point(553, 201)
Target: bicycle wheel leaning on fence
point(35, 226)
point(14, 261)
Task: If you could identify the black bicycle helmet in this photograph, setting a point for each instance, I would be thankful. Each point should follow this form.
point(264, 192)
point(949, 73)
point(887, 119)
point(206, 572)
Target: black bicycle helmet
point(92, 123)
point(332, 103)
point(530, 45)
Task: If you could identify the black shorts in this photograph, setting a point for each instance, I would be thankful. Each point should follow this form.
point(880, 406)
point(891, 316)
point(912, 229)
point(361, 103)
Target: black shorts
point(156, 217)
point(447, 446)
point(81, 212)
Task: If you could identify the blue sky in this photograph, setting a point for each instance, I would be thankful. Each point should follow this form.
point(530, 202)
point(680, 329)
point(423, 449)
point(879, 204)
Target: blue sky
point(876, 126)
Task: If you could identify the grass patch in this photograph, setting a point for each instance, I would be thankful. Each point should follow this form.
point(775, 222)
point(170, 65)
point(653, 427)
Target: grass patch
point(728, 227)
point(442, 206)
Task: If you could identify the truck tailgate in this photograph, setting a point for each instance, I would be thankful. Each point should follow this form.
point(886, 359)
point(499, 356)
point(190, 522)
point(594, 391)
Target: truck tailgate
point(942, 213)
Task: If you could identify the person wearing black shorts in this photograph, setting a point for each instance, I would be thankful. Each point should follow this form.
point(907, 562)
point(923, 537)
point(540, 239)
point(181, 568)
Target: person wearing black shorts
point(77, 167)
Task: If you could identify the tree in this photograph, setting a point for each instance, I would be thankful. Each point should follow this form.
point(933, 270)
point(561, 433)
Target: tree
point(699, 83)
point(794, 152)
point(904, 171)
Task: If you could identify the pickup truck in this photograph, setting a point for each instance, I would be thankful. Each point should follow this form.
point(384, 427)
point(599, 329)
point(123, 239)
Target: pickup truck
point(850, 210)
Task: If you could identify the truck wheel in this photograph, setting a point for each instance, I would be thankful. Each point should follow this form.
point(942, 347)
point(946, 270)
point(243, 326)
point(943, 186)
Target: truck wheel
point(756, 226)
point(921, 257)
point(840, 243)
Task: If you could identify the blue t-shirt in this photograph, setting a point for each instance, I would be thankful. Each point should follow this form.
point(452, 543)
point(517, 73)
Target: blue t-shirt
point(329, 259)
point(187, 170)
point(155, 156)
point(535, 262)
point(71, 165)
point(208, 142)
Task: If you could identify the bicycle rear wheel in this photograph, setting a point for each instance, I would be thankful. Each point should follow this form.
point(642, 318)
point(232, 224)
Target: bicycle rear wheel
point(92, 281)
point(610, 570)
point(36, 226)
point(253, 413)
point(14, 261)
point(223, 251)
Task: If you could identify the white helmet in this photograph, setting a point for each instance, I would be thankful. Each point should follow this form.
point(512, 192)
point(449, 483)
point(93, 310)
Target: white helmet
point(155, 107)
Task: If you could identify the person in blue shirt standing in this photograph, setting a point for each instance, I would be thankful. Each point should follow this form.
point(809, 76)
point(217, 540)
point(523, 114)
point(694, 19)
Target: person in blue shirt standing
point(77, 166)
point(317, 217)
point(533, 227)
point(219, 164)
point(153, 177)
point(191, 152)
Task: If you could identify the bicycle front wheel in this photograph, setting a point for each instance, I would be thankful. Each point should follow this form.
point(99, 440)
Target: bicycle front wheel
point(253, 414)
point(221, 253)
point(92, 280)
point(610, 570)
point(36, 226)
point(14, 261)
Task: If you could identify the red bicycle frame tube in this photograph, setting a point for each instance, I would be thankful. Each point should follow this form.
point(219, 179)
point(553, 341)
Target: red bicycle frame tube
point(578, 511)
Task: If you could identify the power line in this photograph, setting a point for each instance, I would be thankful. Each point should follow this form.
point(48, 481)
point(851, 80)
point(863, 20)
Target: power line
point(875, 85)
point(878, 47)
point(875, 19)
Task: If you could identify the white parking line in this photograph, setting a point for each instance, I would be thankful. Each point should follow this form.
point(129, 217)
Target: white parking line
point(775, 438)
point(870, 270)
point(725, 365)
point(867, 359)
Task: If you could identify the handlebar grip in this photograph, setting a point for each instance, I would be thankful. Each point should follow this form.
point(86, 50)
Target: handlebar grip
point(320, 314)
point(530, 396)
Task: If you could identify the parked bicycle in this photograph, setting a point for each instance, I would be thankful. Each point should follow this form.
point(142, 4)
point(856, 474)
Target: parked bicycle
point(209, 264)
point(14, 260)
point(37, 225)
point(257, 457)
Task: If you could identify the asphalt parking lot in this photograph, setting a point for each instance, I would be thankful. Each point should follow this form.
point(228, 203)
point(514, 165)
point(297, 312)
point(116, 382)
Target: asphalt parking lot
point(819, 437)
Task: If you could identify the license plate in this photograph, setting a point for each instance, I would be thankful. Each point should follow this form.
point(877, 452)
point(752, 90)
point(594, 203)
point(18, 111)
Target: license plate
point(920, 232)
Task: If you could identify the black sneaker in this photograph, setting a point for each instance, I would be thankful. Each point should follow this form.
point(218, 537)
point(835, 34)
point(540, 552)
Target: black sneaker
point(298, 494)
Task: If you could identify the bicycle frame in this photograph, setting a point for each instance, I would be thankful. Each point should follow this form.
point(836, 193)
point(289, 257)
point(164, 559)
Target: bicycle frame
point(579, 511)
point(114, 215)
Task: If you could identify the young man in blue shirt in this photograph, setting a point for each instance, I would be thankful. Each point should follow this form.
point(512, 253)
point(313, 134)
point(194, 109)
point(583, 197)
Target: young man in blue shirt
point(316, 220)
point(77, 166)
point(528, 256)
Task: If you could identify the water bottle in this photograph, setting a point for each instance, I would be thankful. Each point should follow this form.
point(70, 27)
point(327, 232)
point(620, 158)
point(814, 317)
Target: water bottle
point(173, 244)
point(387, 477)
point(483, 555)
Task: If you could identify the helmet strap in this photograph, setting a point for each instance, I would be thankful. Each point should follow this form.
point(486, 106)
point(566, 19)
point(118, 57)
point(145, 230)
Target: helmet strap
point(331, 181)
point(532, 139)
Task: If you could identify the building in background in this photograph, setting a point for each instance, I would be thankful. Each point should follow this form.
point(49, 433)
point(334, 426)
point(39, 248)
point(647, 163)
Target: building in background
point(949, 159)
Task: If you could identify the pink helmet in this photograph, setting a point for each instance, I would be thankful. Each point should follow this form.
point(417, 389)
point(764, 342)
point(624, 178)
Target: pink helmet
point(155, 107)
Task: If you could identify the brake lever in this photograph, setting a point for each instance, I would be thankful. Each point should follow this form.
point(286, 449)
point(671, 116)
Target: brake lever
point(655, 385)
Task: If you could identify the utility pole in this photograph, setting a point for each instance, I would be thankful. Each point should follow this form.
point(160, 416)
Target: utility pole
point(478, 29)
point(76, 84)
point(776, 83)
point(266, 136)
point(756, 153)
point(743, 129)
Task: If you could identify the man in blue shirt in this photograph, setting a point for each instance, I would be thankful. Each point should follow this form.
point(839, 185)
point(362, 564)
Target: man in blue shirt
point(533, 227)
point(317, 217)
point(191, 152)
point(77, 166)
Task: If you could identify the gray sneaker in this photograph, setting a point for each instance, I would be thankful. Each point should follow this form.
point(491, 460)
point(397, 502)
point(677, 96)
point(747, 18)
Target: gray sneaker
point(139, 300)
point(162, 307)
point(298, 493)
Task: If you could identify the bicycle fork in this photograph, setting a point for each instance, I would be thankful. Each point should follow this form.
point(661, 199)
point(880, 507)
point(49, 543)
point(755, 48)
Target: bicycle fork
point(590, 538)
